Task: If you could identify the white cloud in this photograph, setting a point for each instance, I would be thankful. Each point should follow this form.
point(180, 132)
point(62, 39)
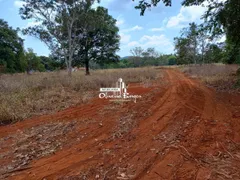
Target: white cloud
point(156, 29)
point(185, 16)
point(120, 21)
point(135, 28)
point(125, 38)
point(160, 43)
point(18, 3)
point(133, 44)
point(154, 40)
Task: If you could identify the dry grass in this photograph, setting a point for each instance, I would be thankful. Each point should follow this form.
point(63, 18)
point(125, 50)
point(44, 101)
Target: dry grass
point(33, 143)
point(23, 96)
point(221, 77)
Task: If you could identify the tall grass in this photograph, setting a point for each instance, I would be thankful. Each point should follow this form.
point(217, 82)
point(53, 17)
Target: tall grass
point(23, 96)
point(220, 76)
point(210, 70)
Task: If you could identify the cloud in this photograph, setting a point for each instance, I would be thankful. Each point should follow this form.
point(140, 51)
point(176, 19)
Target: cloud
point(133, 44)
point(125, 38)
point(120, 21)
point(156, 29)
point(161, 43)
point(135, 28)
point(185, 16)
point(18, 3)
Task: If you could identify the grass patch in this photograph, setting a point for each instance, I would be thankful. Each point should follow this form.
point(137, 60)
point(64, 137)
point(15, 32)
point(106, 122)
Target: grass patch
point(219, 76)
point(23, 96)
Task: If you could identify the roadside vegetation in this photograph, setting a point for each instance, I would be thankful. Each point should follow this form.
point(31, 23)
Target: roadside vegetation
point(219, 76)
point(23, 96)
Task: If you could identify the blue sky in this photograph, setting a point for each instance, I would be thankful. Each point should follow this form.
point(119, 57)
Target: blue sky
point(156, 28)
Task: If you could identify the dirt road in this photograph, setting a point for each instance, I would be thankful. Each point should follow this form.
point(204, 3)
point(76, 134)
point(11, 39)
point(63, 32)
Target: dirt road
point(179, 129)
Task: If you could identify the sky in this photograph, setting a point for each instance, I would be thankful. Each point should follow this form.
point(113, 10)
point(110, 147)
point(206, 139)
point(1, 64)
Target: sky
point(157, 28)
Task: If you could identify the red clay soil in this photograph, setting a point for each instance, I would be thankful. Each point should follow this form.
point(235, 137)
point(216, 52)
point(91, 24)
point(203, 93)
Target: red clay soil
point(179, 129)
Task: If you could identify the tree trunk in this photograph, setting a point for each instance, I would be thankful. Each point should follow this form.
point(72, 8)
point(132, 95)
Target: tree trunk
point(87, 63)
point(69, 66)
point(70, 71)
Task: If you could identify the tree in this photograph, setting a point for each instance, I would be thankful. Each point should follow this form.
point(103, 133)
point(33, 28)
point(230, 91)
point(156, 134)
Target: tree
point(99, 39)
point(33, 61)
point(183, 50)
point(57, 21)
point(191, 33)
point(172, 60)
point(11, 49)
point(50, 63)
point(137, 51)
point(214, 53)
point(203, 38)
point(221, 17)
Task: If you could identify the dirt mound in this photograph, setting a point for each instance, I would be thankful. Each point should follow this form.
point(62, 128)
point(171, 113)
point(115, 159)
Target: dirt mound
point(179, 129)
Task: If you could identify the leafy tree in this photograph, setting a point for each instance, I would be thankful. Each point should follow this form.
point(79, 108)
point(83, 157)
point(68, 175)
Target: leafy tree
point(183, 50)
point(11, 49)
point(172, 60)
point(99, 41)
point(191, 33)
point(50, 63)
point(214, 53)
point(152, 52)
point(33, 62)
point(57, 22)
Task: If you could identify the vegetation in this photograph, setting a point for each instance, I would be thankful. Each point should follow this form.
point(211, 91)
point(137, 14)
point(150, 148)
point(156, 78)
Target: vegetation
point(219, 76)
point(76, 32)
point(194, 46)
point(221, 18)
point(141, 58)
point(11, 50)
point(79, 35)
point(23, 96)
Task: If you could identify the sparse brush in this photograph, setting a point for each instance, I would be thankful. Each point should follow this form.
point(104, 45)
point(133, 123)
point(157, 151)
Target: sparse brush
point(220, 76)
point(23, 96)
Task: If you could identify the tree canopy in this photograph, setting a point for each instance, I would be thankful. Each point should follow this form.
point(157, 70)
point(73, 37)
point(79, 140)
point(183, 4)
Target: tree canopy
point(11, 49)
point(72, 28)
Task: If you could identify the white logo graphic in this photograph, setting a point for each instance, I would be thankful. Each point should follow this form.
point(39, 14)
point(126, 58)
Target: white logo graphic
point(118, 93)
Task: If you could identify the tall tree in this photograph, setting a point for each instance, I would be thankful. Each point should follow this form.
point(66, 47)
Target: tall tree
point(191, 34)
point(183, 50)
point(11, 49)
point(98, 38)
point(57, 21)
point(137, 51)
